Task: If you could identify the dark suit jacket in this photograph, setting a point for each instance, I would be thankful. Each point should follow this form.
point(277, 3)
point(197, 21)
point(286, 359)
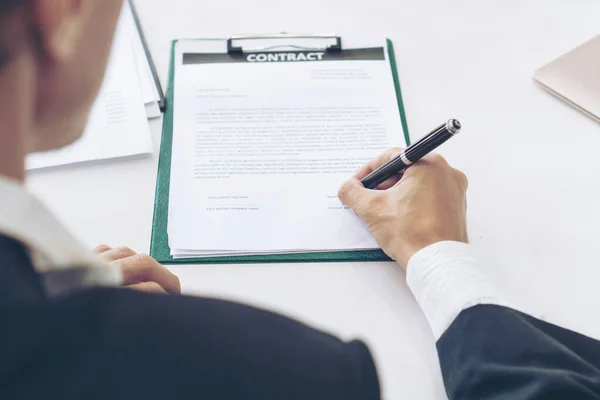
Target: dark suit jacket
point(117, 344)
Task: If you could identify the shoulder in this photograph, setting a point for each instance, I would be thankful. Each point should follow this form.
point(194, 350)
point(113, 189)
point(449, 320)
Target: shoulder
point(154, 343)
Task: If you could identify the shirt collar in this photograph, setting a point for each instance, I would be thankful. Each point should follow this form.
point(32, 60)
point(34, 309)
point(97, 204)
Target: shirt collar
point(63, 264)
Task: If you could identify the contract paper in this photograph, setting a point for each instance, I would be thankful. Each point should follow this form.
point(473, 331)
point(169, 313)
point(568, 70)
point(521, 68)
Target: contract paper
point(262, 143)
point(117, 125)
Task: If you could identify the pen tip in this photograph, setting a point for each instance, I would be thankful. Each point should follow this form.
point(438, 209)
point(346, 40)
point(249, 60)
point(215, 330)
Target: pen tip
point(456, 124)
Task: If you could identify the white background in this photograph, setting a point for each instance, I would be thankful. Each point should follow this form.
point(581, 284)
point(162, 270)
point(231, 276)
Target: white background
point(532, 164)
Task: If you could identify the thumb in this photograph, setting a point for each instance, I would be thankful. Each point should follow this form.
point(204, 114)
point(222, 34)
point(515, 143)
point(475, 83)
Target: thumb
point(352, 193)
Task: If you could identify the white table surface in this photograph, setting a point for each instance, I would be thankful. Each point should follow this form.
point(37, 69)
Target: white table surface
point(532, 206)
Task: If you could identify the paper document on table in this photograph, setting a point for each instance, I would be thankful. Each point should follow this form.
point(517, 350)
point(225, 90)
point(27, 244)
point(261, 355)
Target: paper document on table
point(262, 142)
point(117, 125)
point(150, 95)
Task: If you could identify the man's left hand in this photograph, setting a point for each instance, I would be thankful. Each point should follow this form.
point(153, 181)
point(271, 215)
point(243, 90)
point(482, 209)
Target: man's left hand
point(140, 271)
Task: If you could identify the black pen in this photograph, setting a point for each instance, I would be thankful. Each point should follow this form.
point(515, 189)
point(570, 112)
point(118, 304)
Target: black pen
point(412, 154)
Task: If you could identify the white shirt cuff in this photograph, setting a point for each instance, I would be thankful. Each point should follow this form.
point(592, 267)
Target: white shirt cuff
point(446, 279)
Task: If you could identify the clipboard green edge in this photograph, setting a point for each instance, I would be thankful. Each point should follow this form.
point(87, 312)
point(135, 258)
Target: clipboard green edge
point(159, 244)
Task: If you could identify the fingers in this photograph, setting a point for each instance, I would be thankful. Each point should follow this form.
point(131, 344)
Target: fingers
point(148, 287)
point(377, 162)
point(116, 254)
point(101, 249)
point(141, 268)
point(439, 161)
point(391, 182)
point(140, 271)
point(360, 200)
point(352, 192)
point(435, 160)
point(427, 164)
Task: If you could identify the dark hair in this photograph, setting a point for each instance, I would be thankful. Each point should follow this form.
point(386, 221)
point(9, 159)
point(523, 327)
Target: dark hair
point(6, 7)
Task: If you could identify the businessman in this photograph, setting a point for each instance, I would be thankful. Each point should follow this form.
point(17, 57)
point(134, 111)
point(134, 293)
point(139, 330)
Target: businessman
point(68, 332)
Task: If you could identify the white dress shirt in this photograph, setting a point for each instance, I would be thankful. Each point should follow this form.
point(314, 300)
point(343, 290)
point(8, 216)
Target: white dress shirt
point(62, 263)
point(445, 277)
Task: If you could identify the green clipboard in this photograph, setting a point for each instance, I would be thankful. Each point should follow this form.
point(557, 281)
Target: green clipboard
point(159, 244)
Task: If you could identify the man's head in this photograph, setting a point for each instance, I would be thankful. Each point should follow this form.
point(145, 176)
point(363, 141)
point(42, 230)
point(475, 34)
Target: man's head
point(57, 50)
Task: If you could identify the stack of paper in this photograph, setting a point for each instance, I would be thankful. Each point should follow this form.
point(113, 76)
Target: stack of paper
point(262, 142)
point(118, 122)
point(150, 94)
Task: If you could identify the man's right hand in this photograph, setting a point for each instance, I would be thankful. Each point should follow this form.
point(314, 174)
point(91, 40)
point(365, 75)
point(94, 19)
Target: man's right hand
point(427, 205)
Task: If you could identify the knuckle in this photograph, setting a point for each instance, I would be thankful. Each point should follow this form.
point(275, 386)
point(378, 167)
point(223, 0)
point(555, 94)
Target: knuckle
point(124, 250)
point(143, 260)
point(390, 153)
point(344, 190)
point(102, 248)
point(437, 159)
point(462, 177)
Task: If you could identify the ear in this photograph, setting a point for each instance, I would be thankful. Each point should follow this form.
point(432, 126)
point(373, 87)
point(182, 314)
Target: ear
point(59, 24)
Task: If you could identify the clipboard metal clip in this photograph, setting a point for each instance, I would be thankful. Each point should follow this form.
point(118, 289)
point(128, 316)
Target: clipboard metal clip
point(240, 49)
